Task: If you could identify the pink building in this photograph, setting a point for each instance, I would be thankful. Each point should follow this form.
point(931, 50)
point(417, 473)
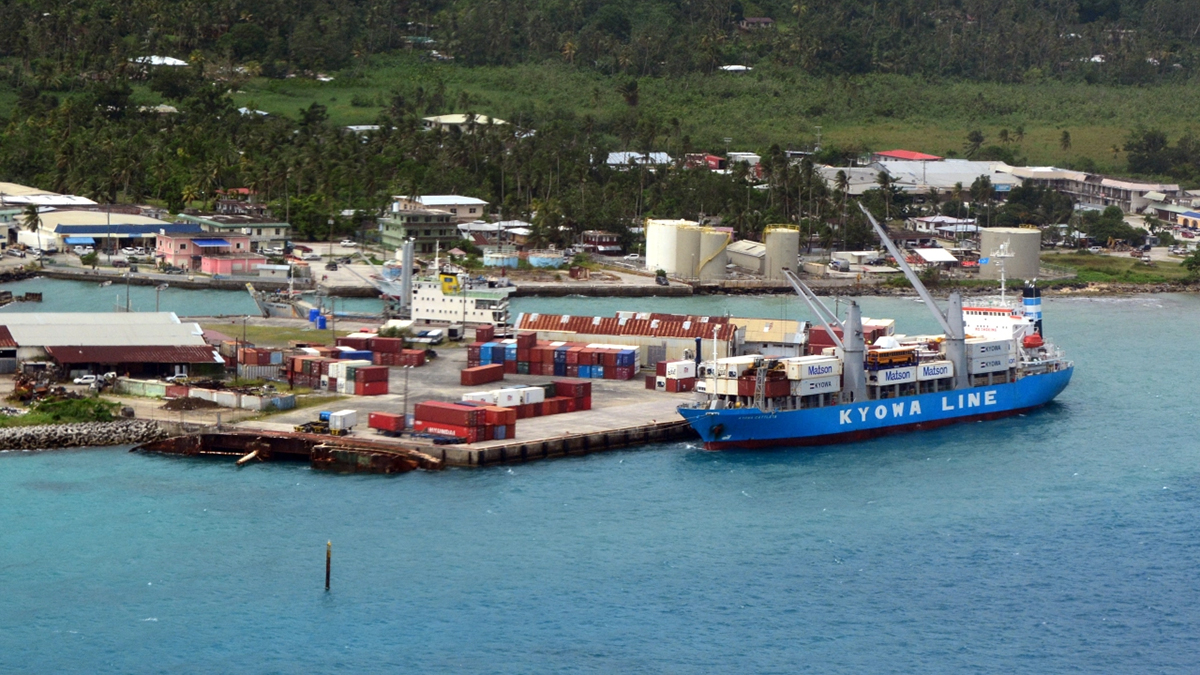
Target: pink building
point(227, 255)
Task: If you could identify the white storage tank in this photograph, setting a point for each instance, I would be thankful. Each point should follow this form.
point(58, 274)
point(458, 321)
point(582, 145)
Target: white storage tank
point(500, 260)
point(1024, 248)
point(783, 250)
point(713, 254)
point(687, 251)
point(660, 244)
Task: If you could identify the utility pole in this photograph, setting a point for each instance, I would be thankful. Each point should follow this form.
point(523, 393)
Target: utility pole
point(158, 289)
point(128, 274)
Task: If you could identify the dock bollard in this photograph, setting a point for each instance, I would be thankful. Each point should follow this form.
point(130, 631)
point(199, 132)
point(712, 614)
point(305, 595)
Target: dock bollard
point(328, 557)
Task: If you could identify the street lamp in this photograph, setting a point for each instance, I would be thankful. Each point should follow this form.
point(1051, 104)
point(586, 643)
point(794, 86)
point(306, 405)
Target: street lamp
point(159, 289)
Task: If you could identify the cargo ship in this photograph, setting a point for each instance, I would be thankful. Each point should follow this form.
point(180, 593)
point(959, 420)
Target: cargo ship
point(990, 362)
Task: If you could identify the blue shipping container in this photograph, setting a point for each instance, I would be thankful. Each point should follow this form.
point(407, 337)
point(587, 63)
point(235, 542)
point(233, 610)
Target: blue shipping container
point(499, 432)
point(585, 371)
point(560, 355)
point(597, 372)
point(560, 369)
point(324, 416)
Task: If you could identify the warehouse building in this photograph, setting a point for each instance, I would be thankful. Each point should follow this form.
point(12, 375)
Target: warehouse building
point(657, 339)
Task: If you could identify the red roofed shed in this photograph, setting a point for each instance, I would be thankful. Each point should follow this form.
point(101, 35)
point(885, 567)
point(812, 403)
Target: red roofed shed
point(907, 155)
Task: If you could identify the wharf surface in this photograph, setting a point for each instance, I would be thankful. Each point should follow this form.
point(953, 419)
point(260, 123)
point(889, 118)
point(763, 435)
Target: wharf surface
point(623, 414)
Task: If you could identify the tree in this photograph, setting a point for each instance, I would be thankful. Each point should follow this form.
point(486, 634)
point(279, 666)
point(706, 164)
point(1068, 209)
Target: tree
point(1064, 141)
point(975, 141)
point(1004, 138)
point(1019, 133)
point(33, 221)
point(1192, 262)
point(884, 180)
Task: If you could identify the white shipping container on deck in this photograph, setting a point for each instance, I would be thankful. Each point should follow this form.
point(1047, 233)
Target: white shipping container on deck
point(488, 397)
point(890, 376)
point(935, 370)
point(988, 364)
point(807, 367)
point(508, 398)
point(343, 419)
point(982, 347)
point(818, 385)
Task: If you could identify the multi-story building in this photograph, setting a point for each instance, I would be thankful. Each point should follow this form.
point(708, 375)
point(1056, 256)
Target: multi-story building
point(225, 255)
point(462, 209)
point(428, 229)
point(264, 232)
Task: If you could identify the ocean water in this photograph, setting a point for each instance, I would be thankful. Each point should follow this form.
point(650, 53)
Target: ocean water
point(1064, 541)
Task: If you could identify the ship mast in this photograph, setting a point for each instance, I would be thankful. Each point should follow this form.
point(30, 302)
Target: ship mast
point(951, 321)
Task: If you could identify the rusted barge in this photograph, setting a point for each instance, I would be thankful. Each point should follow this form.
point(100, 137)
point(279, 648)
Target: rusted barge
point(322, 452)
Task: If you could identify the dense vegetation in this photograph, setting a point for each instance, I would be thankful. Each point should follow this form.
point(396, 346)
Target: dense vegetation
point(578, 79)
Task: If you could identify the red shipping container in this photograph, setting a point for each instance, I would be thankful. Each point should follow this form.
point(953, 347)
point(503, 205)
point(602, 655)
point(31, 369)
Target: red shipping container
point(548, 355)
point(526, 340)
point(650, 381)
point(485, 333)
point(468, 434)
point(660, 369)
point(746, 386)
point(449, 413)
point(622, 372)
point(608, 358)
point(473, 350)
point(569, 405)
point(681, 385)
point(371, 374)
point(774, 388)
point(583, 403)
point(573, 388)
point(510, 367)
point(385, 421)
point(572, 370)
point(537, 409)
point(573, 356)
point(383, 344)
point(332, 383)
point(494, 415)
point(372, 388)
point(471, 377)
point(472, 363)
point(535, 368)
point(356, 343)
point(587, 356)
point(523, 353)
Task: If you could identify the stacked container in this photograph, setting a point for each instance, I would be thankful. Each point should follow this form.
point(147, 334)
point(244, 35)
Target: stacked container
point(469, 422)
point(385, 422)
point(370, 380)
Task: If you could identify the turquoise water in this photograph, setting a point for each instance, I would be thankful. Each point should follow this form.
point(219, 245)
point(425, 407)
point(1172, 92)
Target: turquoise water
point(1062, 541)
point(82, 296)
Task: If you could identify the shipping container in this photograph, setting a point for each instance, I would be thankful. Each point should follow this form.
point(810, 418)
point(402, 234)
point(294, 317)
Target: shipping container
point(935, 370)
point(488, 397)
point(532, 395)
point(382, 344)
point(371, 374)
point(468, 434)
point(473, 377)
point(497, 415)
point(984, 347)
point(890, 376)
point(805, 367)
point(681, 384)
point(485, 333)
point(385, 421)
point(508, 398)
point(819, 385)
point(987, 364)
point(679, 370)
point(343, 419)
point(449, 413)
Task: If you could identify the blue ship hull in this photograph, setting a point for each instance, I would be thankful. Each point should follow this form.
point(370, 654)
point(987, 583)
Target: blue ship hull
point(753, 428)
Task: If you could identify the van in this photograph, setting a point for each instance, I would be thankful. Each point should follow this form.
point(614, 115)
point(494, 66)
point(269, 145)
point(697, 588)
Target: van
point(839, 265)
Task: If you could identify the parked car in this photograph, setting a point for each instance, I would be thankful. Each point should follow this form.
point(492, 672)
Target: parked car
point(839, 265)
point(86, 379)
point(302, 248)
point(129, 250)
point(120, 263)
point(332, 267)
point(175, 378)
point(311, 256)
point(174, 270)
point(349, 243)
point(662, 281)
point(83, 250)
point(632, 256)
point(15, 252)
point(1094, 249)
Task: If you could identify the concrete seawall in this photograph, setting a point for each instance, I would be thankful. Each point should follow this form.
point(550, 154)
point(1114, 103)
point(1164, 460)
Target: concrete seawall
point(85, 434)
point(560, 446)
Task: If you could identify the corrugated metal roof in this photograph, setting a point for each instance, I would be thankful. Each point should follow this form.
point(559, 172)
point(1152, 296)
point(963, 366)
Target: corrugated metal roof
point(96, 329)
point(6, 338)
point(138, 354)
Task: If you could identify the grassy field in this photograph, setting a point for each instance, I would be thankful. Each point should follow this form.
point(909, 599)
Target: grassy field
point(275, 336)
point(1117, 269)
point(65, 412)
point(769, 105)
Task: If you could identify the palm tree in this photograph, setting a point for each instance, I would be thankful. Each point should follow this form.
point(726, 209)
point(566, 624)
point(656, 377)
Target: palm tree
point(885, 184)
point(1019, 132)
point(974, 142)
point(1064, 141)
point(1004, 137)
point(33, 221)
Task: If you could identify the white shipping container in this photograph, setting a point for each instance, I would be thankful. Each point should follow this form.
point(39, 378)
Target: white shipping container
point(988, 364)
point(679, 370)
point(890, 376)
point(660, 383)
point(807, 367)
point(1012, 360)
point(727, 386)
point(819, 385)
point(337, 370)
point(488, 397)
point(708, 386)
point(981, 347)
point(935, 370)
point(508, 398)
point(343, 419)
point(532, 395)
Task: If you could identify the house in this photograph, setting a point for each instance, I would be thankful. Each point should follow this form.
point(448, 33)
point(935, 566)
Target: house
point(461, 123)
point(462, 209)
point(756, 23)
point(428, 228)
point(110, 229)
point(773, 337)
point(625, 160)
point(226, 255)
point(264, 231)
point(139, 343)
point(601, 241)
point(932, 224)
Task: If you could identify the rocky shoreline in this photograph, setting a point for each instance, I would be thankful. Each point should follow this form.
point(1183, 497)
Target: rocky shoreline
point(84, 434)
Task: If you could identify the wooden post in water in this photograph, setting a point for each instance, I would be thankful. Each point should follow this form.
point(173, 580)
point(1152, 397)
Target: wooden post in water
point(328, 558)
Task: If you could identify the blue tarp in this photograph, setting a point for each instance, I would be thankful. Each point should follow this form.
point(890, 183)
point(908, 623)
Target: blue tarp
point(210, 242)
point(77, 241)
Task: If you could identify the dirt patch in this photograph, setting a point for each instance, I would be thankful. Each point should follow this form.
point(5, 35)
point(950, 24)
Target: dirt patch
point(189, 403)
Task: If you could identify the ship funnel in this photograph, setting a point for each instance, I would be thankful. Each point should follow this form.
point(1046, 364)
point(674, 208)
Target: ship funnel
point(956, 347)
point(1032, 305)
point(855, 378)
